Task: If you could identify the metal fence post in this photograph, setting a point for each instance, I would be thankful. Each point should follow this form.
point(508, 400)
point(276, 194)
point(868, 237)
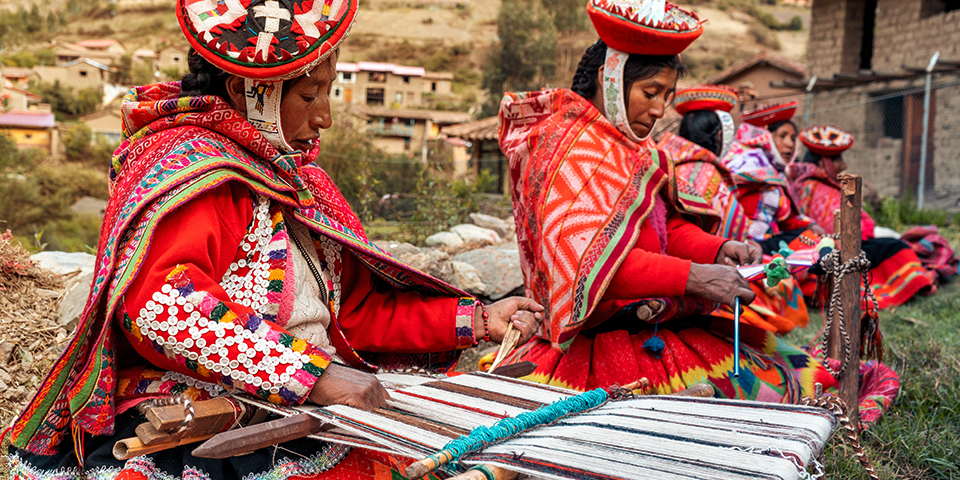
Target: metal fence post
point(925, 136)
point(808, 102)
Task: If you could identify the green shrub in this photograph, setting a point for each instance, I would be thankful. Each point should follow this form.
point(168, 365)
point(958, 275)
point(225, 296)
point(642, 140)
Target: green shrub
point(902, 213)
point(796, 23)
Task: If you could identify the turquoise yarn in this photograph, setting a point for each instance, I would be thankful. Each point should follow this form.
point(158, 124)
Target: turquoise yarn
point(509, 427)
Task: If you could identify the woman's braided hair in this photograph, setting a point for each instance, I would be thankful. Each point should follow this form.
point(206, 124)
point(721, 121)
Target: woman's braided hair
point(204, 78)
point(702, 127)
point(638, 67)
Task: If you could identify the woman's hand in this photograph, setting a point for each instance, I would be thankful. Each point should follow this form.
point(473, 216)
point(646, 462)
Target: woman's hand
point(524, 313)
point(719, 283)
point(735, 253)
point(340, 385)
point(816, 228)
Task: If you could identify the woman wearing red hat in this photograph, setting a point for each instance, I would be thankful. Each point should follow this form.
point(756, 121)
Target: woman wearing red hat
point(706, 134)
point(611, 241)
point(229, 261)
point(897, 274)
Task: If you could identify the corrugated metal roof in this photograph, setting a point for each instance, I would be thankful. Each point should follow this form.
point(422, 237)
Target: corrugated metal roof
point(483, 129)
point(28, 119)
point(438, 116)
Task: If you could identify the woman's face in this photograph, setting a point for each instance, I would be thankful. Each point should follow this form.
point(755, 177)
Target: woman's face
point(305, 106)
point(648, 99)
point(785, 138)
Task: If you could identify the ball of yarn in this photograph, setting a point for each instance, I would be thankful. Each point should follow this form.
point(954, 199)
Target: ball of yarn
point(655, 345)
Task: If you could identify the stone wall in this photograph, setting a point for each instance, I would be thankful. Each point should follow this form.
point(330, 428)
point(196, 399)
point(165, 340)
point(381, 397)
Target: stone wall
point(835, 34)
point(946, 144)
point(907, 35)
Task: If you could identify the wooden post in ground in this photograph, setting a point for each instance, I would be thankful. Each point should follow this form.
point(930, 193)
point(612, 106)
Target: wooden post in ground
point(851, 203)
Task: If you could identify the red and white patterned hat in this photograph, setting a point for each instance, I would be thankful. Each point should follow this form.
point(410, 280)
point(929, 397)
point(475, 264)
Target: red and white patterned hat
point(644, 27)
point(766, 114)
point(826, 140)
point(706, 97)
point(266, 39)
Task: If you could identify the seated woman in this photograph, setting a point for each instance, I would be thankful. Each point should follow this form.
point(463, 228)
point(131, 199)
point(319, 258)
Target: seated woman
point(896, 272)
point(706, 134)
point(229, 261)
point(610, 239)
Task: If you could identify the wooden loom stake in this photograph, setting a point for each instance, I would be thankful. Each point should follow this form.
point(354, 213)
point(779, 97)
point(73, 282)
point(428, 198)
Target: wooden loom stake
point(850, 211)
point(509, 342)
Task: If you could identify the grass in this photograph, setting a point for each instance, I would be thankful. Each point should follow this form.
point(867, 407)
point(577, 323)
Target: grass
point(919, 438)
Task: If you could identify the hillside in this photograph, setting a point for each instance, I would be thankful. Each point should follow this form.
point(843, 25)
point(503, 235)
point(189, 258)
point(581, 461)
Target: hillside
point(440, 35)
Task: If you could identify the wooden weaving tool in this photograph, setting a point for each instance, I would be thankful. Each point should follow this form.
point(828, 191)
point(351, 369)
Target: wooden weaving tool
point(647, 437)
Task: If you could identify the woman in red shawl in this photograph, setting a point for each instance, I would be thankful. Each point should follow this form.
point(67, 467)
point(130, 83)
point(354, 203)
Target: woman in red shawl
point(896, 272)
point(228, 261)
point(610, 240)
point(706, 134)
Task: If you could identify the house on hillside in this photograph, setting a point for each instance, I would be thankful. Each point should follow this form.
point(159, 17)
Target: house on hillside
point(105, 52)
point(78, 74)
point(18, 77)
point(483, 150)
point(869, 58)
point(173, 57)
point(406, 131)
point(17, 100)
point(387, 84)
point(106, 124)
point(34, 129)
point(753, 76)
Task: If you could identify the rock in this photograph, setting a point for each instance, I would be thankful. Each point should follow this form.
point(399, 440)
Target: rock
point(6, 350)
point(472, 234)
point(64, 262)
point(397, 248)
point(444, 239)
point(5, 377)
point(90, 206)
point(14, 393)
point(493, 223)
point(499, 269)
point(466, 277)
point(431, 262)
point(27, 361)
point(74, 300)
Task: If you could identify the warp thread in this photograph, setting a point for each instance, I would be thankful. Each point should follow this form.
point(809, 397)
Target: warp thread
point(506, 428)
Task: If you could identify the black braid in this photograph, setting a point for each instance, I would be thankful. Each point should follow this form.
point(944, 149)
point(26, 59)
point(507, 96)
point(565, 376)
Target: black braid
point(701, 127)
point(638, 67)
point(204, 78)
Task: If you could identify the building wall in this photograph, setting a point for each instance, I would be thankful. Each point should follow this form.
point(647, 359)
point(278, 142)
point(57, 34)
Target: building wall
point(172, 57)
point(28, 137)
point(411, 92)
point(946, 144)
point(759, 79)
point(906, 34)
point(834, 44)
point(77, 76)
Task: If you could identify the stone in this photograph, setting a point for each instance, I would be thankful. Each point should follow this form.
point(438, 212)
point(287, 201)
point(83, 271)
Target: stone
point(499, 269)
point(397, 248)
point(74, 300)
point(444, 239)
point(466, 277)
point(6, 350)
point(65, 263)
point(474, 235)
point(493, 223)
point(5, 377)
point(429, 261)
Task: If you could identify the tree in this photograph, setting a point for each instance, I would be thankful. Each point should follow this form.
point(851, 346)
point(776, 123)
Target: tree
point(568, 15)
point(525, 55)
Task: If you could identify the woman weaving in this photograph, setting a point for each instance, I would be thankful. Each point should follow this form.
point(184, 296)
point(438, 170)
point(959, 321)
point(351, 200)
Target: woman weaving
point(896, 272)
point(607, 233)
point(228, 260)
point(706, 134)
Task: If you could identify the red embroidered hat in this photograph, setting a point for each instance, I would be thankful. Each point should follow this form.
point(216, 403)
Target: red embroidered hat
point(644, 27)
point(825, 140)
point(266, 39)
point(706, 97)
point(766, 114)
